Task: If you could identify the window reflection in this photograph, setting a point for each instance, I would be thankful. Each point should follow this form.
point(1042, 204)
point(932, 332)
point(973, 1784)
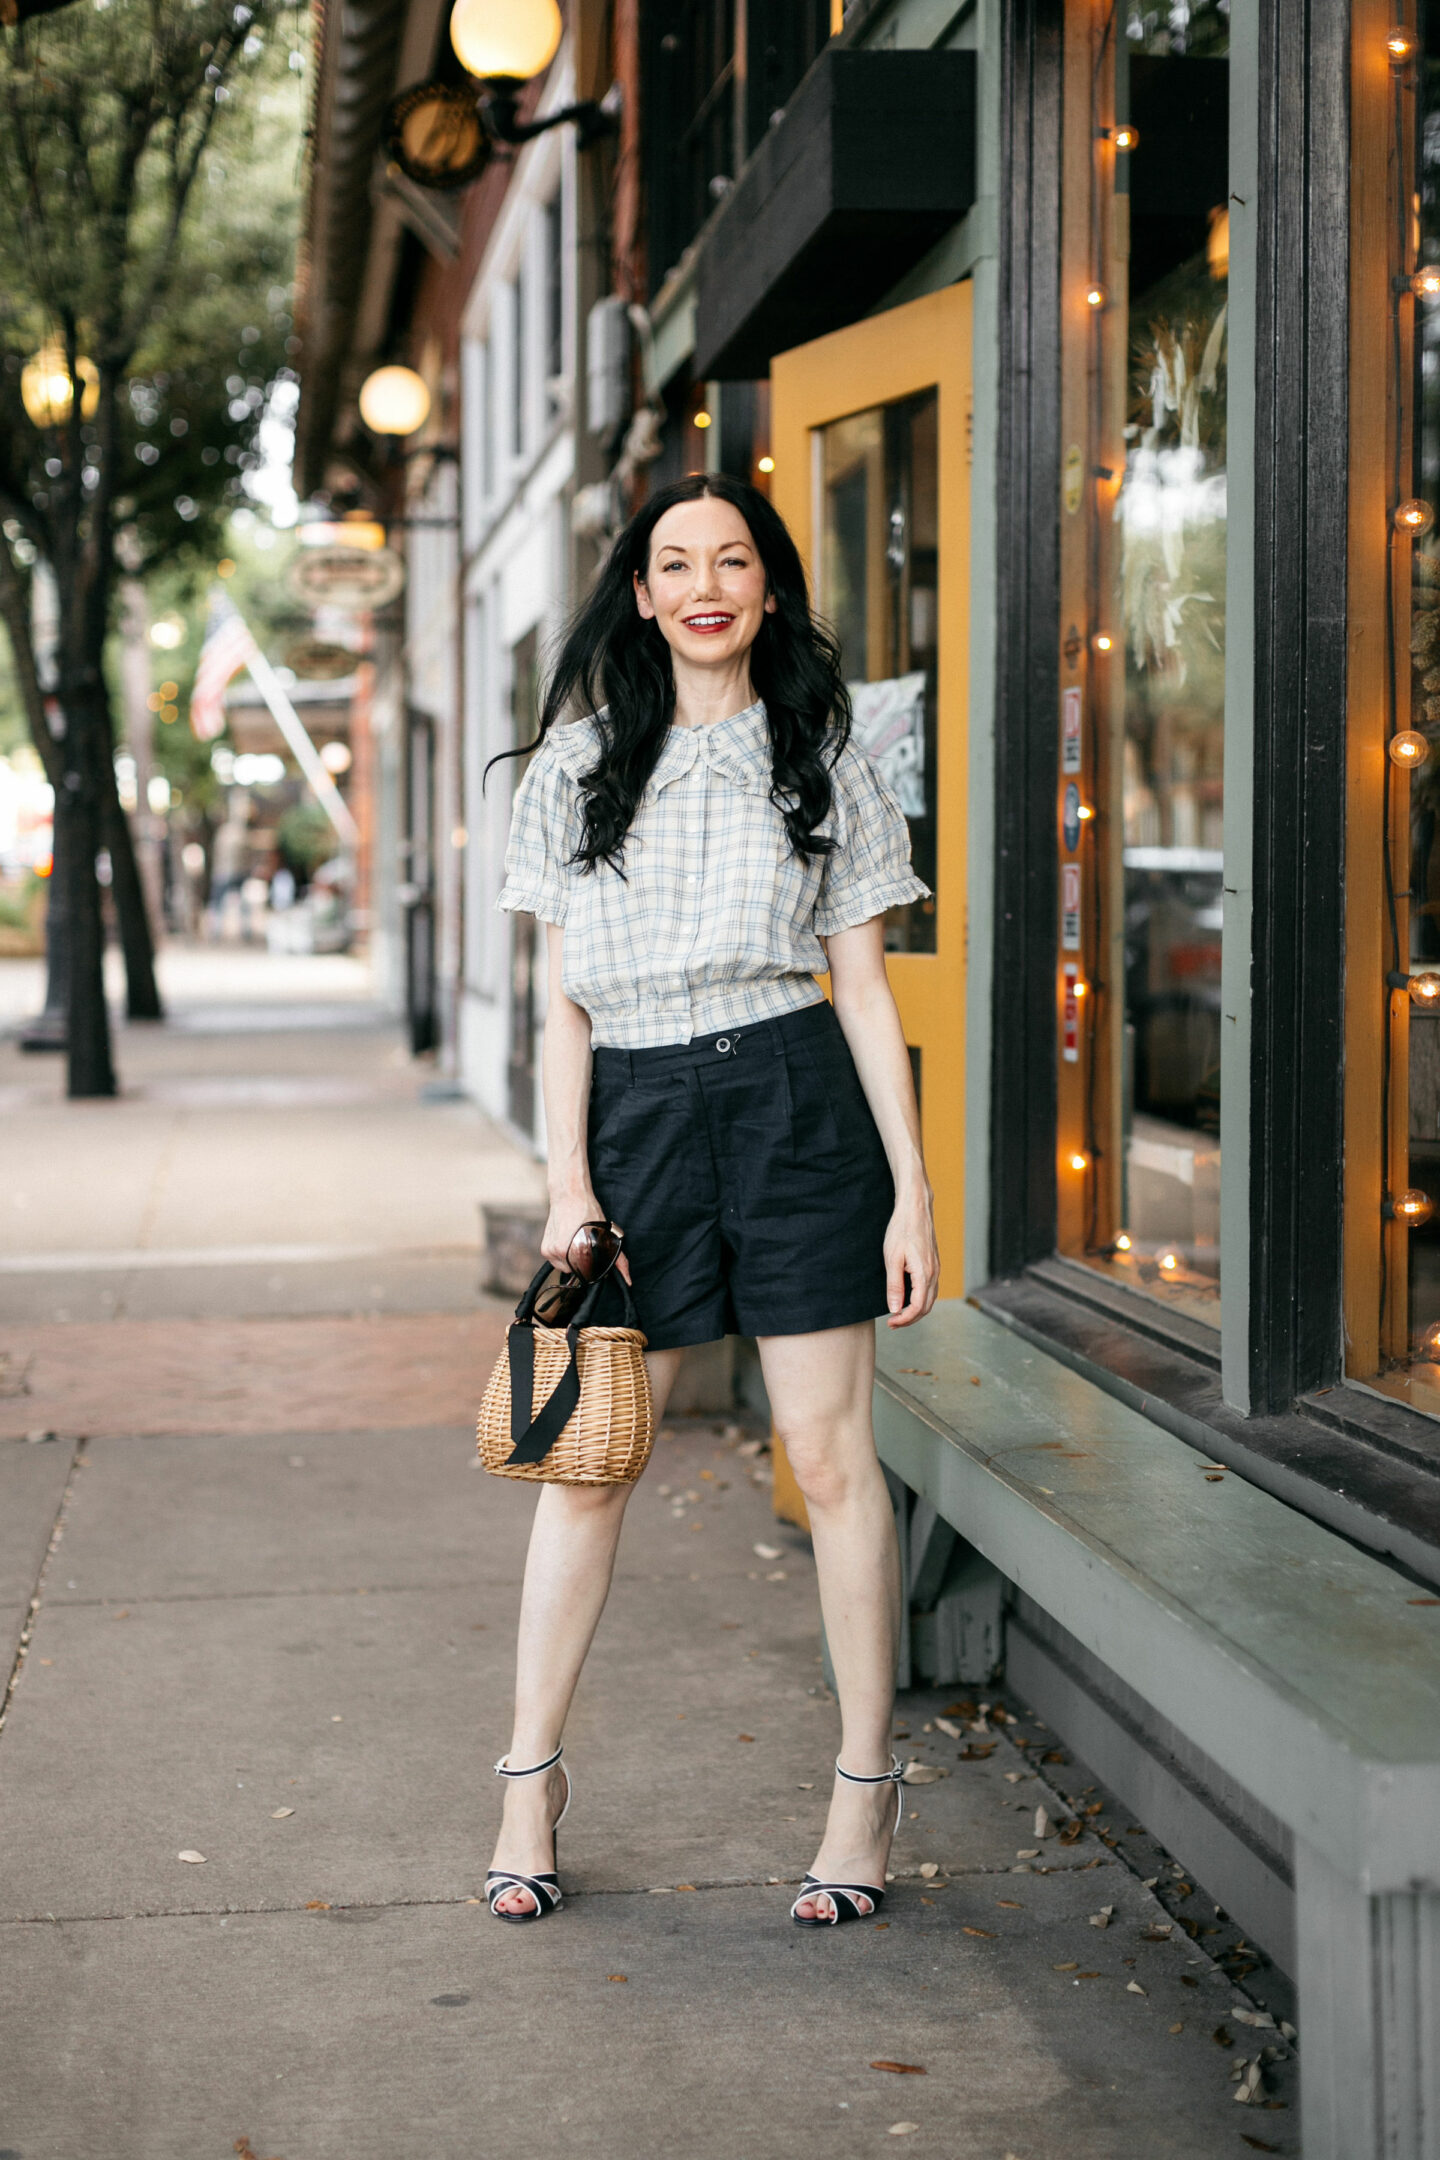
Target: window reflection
point(1167, 593)
point(879, 588)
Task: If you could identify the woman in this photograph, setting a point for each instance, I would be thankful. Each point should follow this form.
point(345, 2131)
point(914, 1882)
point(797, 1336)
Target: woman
point(698, 848)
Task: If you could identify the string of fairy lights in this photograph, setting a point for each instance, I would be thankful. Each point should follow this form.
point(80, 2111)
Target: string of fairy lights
point(1407, 749)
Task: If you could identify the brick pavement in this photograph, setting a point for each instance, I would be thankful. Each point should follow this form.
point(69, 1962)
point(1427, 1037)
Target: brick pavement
point(249, 1376)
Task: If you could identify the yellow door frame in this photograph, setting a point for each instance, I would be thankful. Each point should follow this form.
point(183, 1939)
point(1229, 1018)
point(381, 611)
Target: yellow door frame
point(927, 342)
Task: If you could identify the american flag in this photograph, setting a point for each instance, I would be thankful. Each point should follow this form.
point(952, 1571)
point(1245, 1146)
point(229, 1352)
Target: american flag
point(227, 648)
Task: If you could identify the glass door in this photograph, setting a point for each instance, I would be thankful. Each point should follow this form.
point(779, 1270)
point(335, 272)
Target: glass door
point(872, 475)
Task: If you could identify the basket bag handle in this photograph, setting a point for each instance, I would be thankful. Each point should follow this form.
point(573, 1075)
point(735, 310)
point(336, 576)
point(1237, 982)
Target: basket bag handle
point(534, 1437)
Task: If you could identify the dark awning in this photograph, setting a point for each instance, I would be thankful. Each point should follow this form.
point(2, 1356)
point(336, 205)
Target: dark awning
point(873, 161)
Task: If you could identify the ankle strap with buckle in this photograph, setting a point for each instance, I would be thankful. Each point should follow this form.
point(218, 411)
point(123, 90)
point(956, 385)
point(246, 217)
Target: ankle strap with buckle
point(502, 1768)
point(892, 1776)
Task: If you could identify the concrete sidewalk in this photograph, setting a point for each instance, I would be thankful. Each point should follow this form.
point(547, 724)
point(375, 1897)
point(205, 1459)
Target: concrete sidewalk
point(284, 1642)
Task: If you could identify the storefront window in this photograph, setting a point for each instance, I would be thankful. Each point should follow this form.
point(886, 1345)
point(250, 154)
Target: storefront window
point(879, 571)
point(1159, 684)
point(1419, 1325)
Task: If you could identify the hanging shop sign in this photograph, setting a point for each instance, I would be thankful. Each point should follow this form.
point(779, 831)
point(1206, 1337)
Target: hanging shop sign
point(437, 137)
point(347, 577)
point(315, 659)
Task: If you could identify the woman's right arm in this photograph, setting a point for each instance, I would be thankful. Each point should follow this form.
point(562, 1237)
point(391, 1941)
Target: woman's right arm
point(567, 1061)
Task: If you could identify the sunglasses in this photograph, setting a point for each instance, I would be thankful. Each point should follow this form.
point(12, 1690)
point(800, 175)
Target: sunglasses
point(589, 1258)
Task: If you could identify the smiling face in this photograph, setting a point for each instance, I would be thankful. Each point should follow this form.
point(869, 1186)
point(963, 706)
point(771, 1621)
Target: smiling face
point(706, 585)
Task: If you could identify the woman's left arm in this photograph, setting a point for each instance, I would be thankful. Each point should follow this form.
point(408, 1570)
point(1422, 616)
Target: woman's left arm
point(865, 1008)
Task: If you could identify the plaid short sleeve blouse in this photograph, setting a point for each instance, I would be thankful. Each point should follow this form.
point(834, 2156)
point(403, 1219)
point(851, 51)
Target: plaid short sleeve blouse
point(717, 921)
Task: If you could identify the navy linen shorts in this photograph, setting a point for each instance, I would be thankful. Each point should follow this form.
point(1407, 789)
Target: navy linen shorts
point(748, 1176)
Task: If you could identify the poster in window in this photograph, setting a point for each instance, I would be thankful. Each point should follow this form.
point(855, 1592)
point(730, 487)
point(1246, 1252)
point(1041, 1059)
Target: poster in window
point(890, 728)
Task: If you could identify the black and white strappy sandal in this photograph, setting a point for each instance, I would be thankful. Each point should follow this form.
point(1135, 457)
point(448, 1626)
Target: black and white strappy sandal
point(545, 1889)
point(844, 1897)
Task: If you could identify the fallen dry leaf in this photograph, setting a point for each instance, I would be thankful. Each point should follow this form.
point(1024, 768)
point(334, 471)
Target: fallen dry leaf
point(1042, 1824)
point(1087, 1976)
point(923, 1773)
point(1252, 2017)
point(624, 1978)
point(923, 1370)
point(1248, 2090)
point(1409, 1601)
point(1133, 1987)
point(902, 2129)
point(901, 2069)
point(1028, 1852)
point(978, 1754)
point(988, 1934)
point(1011, 1904)
point(806, 1788)
point(685, 1886)
point(1070, 1831)
point(1073, 1966)
point(766, 1552)
point(1258, 2144)
point(744, 1736)
point(279, 1814)
point(1014, 1777)
point(1102, 1918)
point(974, 1379)
point(196, 1859)
point(1157, 1933)
point(1177, 2028)
point(317, 1904)
point(952, 1731)
point(1223, 2037)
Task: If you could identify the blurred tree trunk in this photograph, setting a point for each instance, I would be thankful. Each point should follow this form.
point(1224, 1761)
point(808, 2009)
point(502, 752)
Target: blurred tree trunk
point(137, 942)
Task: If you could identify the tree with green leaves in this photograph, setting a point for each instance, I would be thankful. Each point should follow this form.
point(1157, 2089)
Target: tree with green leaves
point(148, 156)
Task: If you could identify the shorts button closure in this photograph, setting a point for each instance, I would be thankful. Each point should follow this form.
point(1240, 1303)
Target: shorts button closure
point(722, 1044)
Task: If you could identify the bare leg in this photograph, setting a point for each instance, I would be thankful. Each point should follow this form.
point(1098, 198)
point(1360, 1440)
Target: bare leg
point(820, 1390)
point(567, 1580)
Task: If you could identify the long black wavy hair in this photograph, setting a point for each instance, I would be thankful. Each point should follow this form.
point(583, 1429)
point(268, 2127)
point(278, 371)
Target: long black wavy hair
point(615, 663)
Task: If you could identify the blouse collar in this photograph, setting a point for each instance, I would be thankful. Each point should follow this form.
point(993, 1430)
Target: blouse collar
point(737, 749)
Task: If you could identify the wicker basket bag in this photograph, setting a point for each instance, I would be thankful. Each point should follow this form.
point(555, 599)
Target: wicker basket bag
point(568, 1406)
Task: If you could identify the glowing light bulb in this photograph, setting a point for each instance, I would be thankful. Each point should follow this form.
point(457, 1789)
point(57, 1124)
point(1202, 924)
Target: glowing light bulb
point(1413, 1207)
point(1426, 282)
point(702, 419)
point(1428, 1347)
point(1424, 990)
point(1400, 44)
point(1414, 517)
point(1122, 1243)
point(1080, 989)
point(1085, 813)
point(1079, 1161)
point(767, 464)
point(1103, 642)
point(1095, 296)
point(1169, 1261)
point(1126, 136)
point(1408, 748)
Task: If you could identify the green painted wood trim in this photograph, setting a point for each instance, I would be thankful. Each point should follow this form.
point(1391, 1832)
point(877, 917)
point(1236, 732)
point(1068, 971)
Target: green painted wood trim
point(1296, 1662)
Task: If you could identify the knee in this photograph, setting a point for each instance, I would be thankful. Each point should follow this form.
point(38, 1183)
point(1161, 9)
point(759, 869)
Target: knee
point(587, 1503)
point(822, 1471)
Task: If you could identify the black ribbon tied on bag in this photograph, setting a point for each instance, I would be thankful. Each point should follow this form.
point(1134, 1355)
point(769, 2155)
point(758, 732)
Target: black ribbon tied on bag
point(533, 1436)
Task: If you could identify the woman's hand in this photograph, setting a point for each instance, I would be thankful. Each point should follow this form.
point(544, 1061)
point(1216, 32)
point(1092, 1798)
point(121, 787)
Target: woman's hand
point(910, 1251)
point(567, 1212)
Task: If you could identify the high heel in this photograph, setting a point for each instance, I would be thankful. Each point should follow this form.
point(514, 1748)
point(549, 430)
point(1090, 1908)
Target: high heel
point(844, 1896)
point(545, 1889)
